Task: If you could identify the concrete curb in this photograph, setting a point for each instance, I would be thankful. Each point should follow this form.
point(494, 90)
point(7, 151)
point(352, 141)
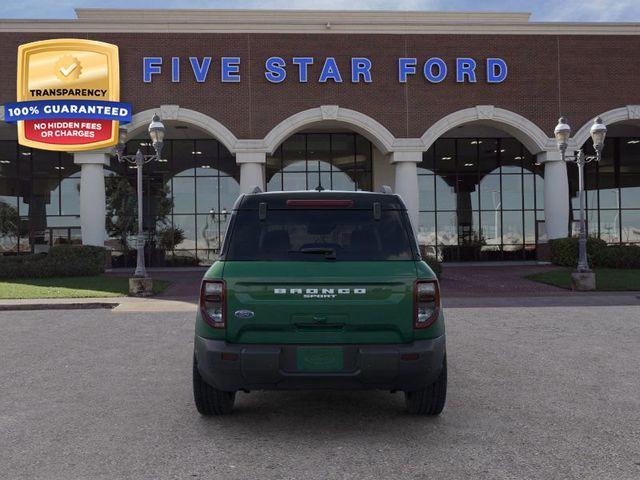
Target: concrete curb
point(57, 306)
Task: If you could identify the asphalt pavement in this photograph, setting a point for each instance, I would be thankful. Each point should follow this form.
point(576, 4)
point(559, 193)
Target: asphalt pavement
point(534, 392)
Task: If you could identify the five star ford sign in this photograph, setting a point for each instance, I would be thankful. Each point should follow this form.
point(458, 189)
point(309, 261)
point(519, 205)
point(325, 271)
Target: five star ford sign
point(68, 95)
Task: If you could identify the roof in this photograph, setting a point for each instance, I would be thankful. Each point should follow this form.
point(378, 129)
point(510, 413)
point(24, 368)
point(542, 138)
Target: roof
point(361, 200)
point(310, 21)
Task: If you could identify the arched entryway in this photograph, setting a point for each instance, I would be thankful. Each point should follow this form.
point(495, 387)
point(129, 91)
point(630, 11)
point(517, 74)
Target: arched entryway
point(39, 197)
point(328, 148)
point(188, 196)
point(612, 185)
point(482, 187)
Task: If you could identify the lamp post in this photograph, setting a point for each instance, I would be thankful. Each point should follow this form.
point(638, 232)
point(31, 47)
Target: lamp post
point(583, 278)
point(156, 133)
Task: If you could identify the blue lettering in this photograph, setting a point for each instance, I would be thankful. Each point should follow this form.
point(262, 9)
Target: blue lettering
point(151, 66)
point(330, 71)
point(360, 67)
point(303, 64)
point(465, 67)
point(406, 66)
point(175, 69)
point(275, 69)
point(200, 71)
point(496, 70)
point(428, 70)
point(230, 70)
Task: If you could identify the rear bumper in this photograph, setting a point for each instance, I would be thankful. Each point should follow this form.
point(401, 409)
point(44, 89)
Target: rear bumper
point(273, 367)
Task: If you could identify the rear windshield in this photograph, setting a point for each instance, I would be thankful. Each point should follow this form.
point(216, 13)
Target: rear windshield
point(319, 235)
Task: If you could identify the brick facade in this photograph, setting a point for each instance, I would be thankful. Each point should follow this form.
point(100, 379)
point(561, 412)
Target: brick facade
point(574, 75)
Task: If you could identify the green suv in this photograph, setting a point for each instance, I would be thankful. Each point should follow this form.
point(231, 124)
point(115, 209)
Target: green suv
point(319, 290)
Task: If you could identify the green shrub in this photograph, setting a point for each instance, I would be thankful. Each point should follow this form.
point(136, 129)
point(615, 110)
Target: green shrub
point(564, 252)
point(61, 261)
point(618, 256)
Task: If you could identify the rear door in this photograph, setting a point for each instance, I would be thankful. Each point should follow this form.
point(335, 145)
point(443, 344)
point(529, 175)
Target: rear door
point(320, 303)
point(317, 275)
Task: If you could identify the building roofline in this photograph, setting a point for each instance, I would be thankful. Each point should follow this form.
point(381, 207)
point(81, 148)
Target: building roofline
point(310, 21)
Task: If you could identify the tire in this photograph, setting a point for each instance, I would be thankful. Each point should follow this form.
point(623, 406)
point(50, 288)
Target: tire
point(209, 400)
point(431, 400)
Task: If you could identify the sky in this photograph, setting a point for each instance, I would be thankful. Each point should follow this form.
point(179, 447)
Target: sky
point(542, 10)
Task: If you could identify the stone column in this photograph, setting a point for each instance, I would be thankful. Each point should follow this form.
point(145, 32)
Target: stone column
point(556, 194)
point(406, 181)
point(251, 170)
point(92, 195)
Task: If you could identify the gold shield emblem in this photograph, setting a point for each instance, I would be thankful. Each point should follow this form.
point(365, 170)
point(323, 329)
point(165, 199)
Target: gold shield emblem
point(68, 69)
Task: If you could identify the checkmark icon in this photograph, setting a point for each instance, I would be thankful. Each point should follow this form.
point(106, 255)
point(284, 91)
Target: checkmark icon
point(68, 68)
point(66, 71)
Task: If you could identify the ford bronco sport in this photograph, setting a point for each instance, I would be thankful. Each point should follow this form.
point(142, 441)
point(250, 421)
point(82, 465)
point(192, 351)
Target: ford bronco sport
point(319, 290)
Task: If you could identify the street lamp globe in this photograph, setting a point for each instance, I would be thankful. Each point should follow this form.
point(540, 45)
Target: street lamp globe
point(562, 133)
point(156, 133)
point(122, 139)
point(598, 133)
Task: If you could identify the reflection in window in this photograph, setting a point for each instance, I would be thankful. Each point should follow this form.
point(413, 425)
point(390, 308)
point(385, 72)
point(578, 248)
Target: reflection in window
point(330, 161)
point(479, 199)
point(612, 191)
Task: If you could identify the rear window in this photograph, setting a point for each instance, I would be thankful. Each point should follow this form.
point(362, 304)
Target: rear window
point(319, 235)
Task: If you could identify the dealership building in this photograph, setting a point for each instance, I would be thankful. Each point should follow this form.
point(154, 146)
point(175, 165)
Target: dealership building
point(454, 111)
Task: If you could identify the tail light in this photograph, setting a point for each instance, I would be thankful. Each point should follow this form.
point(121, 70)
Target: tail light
point(213, 302)
point(426, 301)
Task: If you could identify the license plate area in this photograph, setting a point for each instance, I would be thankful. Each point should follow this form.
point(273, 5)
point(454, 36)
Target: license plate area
point(320, 359)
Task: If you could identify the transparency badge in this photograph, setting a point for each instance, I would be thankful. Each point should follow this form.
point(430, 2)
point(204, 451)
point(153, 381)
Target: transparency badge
point(68, 95)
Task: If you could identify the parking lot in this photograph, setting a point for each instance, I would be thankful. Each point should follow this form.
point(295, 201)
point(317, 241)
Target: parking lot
point(535, 392)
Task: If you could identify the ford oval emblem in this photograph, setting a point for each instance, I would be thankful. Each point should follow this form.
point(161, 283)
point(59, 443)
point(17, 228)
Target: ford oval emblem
point(244, 314)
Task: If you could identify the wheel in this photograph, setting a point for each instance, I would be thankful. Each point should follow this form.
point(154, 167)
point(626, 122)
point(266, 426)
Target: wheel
point(209, 400)
point(431, 400)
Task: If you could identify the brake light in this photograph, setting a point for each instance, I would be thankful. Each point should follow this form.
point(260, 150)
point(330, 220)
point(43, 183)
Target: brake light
point(213, 302)
point(327, 203)
point(426, 302)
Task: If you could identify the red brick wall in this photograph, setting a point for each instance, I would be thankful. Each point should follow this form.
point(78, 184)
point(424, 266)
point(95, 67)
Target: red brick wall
point(578, 76)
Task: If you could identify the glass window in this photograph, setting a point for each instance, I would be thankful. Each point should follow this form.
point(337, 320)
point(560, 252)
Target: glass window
point(294, 154)
point(427, 228)
point(70, 196)
point(447, 228)
point(207, 194)
point(426, 166)
point(629, 155)
point(319, 152)
point(488, 156)
point(609, 225)
point(512, 192)
point(297, 236)
point(490, 197)
point(467, 154)
point(8, 159)
point(445, 156)
point(188, 224)
point(182, 159)
point(512, 228)
point(426, 197)
point(491, 224)
point(445, 194)
point(45, 163)
point(630, 190)
point(183, 190)
point(631, 226)
point(511, 155)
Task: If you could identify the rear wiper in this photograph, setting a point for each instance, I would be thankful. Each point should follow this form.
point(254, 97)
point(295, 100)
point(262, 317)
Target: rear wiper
point(329, 253)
